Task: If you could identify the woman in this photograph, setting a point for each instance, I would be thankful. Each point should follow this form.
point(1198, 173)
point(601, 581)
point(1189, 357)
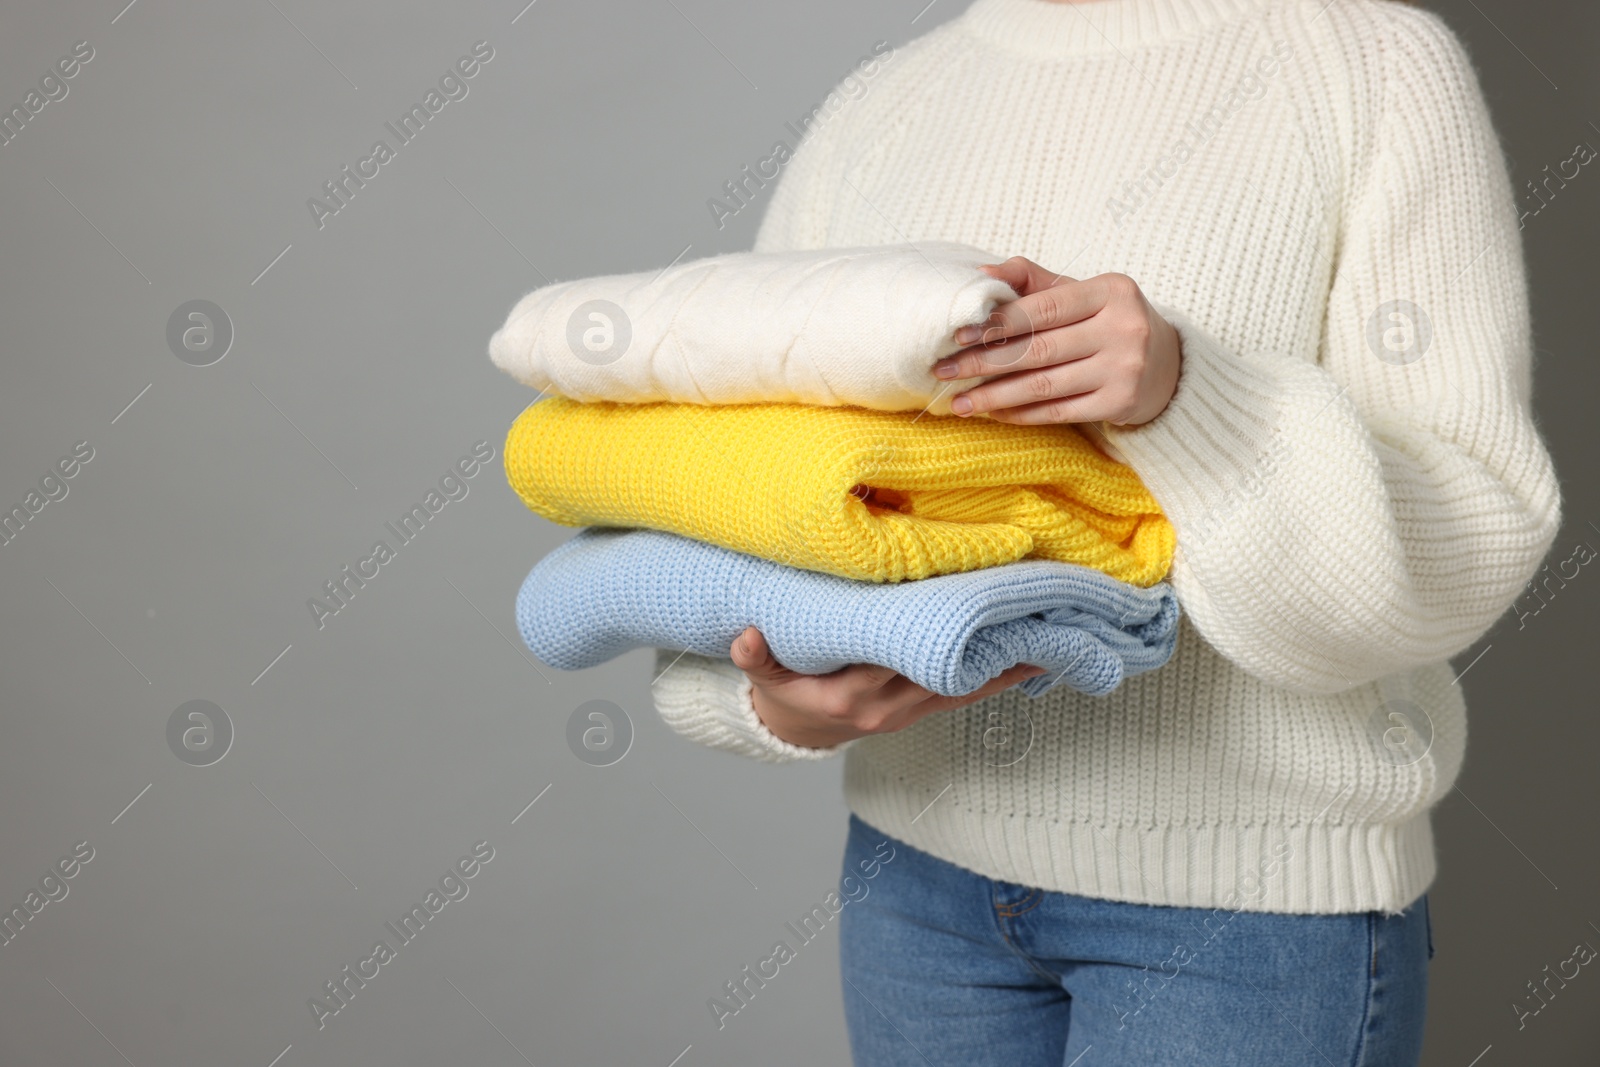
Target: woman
point(1268, 249)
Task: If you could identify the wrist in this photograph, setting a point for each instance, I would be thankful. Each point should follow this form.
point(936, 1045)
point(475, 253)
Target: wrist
point(1166, 351)
point(707, 700)
point(772, 717)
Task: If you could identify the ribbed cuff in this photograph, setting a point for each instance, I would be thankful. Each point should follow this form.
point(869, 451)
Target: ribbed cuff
point(1224, 429)
point(708, 701)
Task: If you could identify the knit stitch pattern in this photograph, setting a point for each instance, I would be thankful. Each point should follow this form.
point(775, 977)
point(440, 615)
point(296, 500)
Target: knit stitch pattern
point(871, 495)
point(858, 326)
point(606, 592)
point(1312, 192)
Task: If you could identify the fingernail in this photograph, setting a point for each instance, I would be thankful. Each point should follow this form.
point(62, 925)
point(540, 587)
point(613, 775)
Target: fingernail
point(961, 406)
point(945, 368)
point(968, 334)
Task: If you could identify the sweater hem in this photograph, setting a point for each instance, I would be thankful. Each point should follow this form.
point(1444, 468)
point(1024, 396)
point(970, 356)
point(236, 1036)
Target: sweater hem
point(1309, 868)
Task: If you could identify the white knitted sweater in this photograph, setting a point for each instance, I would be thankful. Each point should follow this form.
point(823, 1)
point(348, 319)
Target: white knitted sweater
point(1358, 486)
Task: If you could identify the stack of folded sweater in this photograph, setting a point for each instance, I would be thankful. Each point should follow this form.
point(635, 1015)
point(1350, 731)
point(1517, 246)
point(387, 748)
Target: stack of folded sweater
point(758, 439)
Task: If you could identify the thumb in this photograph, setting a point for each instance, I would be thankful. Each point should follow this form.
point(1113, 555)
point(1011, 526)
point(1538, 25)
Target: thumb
point(751, 655)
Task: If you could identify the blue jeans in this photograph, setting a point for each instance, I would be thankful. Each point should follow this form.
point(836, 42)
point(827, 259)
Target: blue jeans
point(943, 966)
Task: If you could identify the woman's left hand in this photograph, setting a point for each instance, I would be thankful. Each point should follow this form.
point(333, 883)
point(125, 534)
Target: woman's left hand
point(1066, 351)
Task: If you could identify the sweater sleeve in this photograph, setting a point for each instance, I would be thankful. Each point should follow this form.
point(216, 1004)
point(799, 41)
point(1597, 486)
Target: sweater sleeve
point(1374, 510)
point(708, 701)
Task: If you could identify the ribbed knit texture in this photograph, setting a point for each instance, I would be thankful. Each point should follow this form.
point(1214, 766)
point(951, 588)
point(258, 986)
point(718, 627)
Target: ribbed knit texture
point(873, 495)
point(1273, 173)
point(606, 592)
point(859, 326)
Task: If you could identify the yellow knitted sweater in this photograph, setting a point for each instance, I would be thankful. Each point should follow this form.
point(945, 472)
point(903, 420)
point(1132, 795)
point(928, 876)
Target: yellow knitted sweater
point(871, 495)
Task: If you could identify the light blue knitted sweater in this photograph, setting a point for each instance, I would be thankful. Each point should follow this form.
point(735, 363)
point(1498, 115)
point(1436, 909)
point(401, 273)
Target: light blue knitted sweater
point(608, 591)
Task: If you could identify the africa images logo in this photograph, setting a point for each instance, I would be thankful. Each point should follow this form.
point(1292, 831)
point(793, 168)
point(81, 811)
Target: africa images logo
point(341, 589)
point(342, 188)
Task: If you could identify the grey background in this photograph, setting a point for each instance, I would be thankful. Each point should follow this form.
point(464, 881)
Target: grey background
point(375, 751)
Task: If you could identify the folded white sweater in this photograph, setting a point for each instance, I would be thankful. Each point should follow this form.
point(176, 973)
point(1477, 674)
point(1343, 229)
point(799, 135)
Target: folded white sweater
point(859, 326)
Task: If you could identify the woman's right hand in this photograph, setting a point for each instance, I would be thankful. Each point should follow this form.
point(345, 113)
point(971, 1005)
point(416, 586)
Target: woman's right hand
point(823, 710)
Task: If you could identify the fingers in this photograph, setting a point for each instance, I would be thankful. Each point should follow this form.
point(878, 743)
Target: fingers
point(903, 702)
point(854, 701)
point(1022, 274)
point(866, 678)
point(889, 708)
point(864, 698)
point(748, 649)
point(845, 687)
point(1046, 347)
point(900, 695)
point(750, 654)
point(820, 710)
point(1119, 363)
point(1047, 300)
point(1100, 405)
point(1022, 388)
point(1001, 682)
